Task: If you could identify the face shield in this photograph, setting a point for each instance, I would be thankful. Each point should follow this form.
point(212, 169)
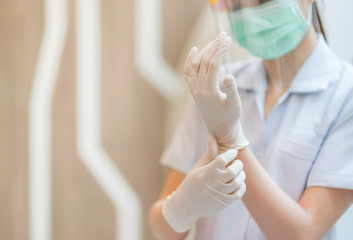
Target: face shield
point(268, 29)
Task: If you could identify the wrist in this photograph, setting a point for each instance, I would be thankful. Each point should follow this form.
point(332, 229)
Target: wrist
point(246, 156)
point(175, 215)
point(234, 139)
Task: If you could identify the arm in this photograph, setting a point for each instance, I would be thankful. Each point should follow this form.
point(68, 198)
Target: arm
point(160, 227)
point(279, 216)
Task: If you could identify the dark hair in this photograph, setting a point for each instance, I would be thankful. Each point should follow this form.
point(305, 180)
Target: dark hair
point(317, 20)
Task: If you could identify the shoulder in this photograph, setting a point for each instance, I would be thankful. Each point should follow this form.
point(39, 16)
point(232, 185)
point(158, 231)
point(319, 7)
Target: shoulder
point(347, 74)
point(344, 84)
point(341, 100)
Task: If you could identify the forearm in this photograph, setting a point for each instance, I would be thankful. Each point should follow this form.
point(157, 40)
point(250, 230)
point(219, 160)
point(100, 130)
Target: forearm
point(160, 227)
point(278, 215)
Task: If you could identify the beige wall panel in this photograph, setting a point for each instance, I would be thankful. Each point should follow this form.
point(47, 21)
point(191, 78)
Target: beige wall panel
point(20, 28)
point(133, 118)
point(178, 20)
point(133, 111)
point(80, 208)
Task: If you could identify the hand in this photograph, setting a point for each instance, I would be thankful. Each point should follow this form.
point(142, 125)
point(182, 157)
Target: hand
point(209, 187)
point(221, 111)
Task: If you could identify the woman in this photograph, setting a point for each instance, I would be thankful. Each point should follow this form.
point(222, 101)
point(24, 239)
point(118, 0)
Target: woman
point(291, 133)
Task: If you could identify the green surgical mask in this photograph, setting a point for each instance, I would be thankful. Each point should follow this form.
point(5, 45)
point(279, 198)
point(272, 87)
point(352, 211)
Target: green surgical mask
point(270, 30)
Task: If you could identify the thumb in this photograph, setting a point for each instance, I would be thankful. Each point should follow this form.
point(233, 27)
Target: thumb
point(231, 90)
point(210, 154)
point(212, 148)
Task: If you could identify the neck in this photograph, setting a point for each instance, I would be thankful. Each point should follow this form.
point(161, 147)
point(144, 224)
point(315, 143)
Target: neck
point(281, 71)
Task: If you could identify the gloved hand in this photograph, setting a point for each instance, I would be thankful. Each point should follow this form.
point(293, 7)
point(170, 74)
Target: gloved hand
point(221, 111)
point(209, 187)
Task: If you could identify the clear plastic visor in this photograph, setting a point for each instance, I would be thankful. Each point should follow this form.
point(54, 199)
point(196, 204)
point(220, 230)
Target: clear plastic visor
point(267, 29)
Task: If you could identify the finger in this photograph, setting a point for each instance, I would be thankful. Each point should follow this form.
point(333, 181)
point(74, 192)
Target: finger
point(223, 198)
point(233, 184)
point(188, 62)
point(223, 159)
point(215, 64)
point(212, 146)
point(188, 65)
point(204, 65)
point(240, 192)
point(228, 198)
point(211, 151)
point(227, 188)
point(220, 36)
point(239, 180)
point(232, 171)
point(197, 61)
point(231, 90)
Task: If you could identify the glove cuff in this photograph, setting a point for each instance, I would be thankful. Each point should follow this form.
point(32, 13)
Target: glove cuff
point(241, 141)
point(176, 216)
point(235, 140)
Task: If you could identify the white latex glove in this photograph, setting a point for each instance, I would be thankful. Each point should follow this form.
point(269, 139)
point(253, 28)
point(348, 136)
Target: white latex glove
point(209, 187)
point(221, 111)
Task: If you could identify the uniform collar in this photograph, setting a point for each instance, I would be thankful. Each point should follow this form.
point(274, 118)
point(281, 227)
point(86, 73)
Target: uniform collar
point(316, 73)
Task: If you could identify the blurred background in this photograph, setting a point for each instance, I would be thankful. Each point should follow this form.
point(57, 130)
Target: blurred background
point(90, 93)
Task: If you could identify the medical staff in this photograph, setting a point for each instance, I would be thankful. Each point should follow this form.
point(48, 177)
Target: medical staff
point(276, 133)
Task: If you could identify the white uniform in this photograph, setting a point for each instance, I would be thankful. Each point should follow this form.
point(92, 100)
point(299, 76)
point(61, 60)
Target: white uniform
point(306, 140)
